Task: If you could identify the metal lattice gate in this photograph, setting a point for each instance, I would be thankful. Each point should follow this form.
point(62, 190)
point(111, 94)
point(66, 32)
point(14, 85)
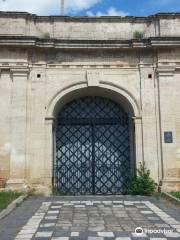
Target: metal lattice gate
point(92, 148)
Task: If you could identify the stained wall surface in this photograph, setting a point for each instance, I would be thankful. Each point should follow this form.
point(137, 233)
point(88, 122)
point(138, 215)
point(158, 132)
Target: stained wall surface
point(37, 81)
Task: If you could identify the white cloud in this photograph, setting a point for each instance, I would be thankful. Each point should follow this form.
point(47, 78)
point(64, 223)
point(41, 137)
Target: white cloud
point(77, 5)
point(110, 12)
point(45, 7)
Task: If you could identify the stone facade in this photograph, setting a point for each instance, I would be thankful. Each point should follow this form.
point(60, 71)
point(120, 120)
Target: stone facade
point(47, 61)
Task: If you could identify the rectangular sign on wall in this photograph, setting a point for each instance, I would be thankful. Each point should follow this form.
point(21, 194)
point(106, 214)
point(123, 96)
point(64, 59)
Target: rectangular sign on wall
point(168, 137)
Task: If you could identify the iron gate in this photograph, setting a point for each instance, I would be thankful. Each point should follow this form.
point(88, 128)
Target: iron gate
point(92, 148)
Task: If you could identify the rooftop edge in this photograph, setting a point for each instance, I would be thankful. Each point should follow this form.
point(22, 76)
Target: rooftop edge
point(30, 15)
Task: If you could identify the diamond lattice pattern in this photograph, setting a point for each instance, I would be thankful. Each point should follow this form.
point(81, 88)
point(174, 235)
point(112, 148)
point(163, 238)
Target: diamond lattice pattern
point(92, 148)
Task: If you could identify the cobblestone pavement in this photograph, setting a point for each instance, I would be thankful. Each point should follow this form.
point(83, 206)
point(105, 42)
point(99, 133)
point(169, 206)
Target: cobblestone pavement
point(96, 218)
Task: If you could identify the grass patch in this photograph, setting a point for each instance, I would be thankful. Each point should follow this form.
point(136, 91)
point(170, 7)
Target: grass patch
point(6, 198)
point(175, 194)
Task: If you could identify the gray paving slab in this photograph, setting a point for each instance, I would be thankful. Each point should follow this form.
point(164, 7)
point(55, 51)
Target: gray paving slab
point(90, 217)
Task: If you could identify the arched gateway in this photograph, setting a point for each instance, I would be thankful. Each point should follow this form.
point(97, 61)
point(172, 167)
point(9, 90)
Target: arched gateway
point(94, 143)
point(92, 147)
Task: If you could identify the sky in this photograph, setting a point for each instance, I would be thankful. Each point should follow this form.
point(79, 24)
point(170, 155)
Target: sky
point(92, 7)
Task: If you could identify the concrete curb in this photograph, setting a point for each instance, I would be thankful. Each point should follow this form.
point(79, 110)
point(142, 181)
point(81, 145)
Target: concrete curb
point(171, 198)
point(12, 206)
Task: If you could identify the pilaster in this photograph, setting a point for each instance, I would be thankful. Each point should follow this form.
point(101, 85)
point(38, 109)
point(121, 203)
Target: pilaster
point(18, 129)
point(166, 91)
point(138, 140)
point(5, 108)
point(150, 119)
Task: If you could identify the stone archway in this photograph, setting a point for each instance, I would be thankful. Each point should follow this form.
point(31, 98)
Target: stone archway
point(112, 93)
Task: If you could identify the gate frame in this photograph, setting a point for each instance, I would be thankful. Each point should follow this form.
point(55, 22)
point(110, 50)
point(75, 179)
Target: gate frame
point(117, 94)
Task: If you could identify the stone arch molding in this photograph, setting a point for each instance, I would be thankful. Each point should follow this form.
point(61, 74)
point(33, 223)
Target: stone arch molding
point(112, 88)
point(59, 99)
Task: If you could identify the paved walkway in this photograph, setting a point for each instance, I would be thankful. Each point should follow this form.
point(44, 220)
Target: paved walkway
point(92, 218)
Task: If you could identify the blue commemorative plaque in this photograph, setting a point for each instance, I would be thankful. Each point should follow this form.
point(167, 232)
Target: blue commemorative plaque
point(168, 137)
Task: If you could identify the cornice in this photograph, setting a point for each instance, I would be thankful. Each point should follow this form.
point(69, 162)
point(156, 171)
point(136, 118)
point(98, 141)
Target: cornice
point(29, 16)
point(35, 42)
point(167, 71)
point(20, 72)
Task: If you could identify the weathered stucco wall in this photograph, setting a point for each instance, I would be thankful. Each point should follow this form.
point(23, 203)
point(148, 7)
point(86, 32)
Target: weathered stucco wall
point(36, 81)
point(25, 24)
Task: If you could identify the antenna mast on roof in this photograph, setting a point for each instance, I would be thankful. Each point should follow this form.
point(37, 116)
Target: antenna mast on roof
point(62, 7)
